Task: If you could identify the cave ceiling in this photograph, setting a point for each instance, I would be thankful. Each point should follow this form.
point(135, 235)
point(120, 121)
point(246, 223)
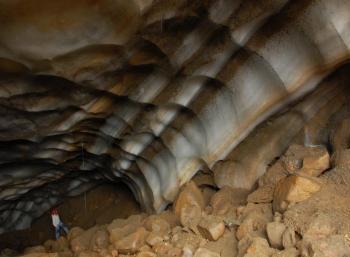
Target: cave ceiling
point(148, 92)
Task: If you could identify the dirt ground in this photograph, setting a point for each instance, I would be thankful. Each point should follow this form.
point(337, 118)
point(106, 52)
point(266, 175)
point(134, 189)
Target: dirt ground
point(98, 206)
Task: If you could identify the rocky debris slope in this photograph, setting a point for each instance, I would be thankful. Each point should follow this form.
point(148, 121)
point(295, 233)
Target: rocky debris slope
point(301, 207)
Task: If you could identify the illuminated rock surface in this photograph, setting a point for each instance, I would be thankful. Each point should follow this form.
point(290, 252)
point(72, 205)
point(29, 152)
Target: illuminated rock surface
point(150, 92)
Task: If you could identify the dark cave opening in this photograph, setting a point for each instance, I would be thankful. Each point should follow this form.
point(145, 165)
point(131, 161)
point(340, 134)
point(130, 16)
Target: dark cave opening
point(100, 205)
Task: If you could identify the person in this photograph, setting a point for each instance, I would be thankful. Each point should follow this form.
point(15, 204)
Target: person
point(57, 223)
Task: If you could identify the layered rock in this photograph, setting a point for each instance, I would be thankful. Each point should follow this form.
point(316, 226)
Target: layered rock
point(150, 92)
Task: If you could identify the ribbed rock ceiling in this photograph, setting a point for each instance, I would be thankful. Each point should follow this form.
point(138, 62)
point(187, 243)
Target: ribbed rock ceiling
point(151, 91)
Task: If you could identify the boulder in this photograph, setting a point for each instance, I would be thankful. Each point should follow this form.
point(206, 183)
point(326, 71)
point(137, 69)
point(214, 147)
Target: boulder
point(189, 205)
point(88, 254)
point(154, 238)
point(190, 216)
point(146, 254)
point(190, 195)
point(293, 189)
point(255, 246)
point(311, 161)
point(82, 241)
point(226, 198)
point(35, 249)
point(332, 246)
point(121, 228)
point(203, 252)
point(156, 223)
point(225, 245)
point(341, 158)
point(167, 250)
point(290, 252)
point(7, 252)
point(170, 218)
point(74, 232)
point(273, 174)
point(186, 239)
point(203, 179)
point(208, 193)
point(100, 240)
point(59, 245)
point(263, 194)
point(254, 218)
point(289, 238)
point(275, 232)
point(211, 227)
point(132, 242)
point(340, 135)
point(114, 252)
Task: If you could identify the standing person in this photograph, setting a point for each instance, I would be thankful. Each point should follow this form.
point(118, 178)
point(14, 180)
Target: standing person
point(57, 223)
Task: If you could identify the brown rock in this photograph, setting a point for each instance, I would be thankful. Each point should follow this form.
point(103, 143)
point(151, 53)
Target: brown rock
point(131, 243)
point(203, 252)
point(288, 238)
point(226, 198)
point(67, 253)
point(208, 193)
point(273, 174)
point(314, 165)
point(82, 241)
point(341, 158)
point(35, 249)
point(61, 246)
point(332, 246)
point(154, 238)
point(88, 254)
point(263, 194)
point(311, 161)
point(121, 228)
point(339, 137)
point(225, 245)
point(157, 224)
point(7, 252)
point(254, 219)
point(293, 189)
point(251, 246)
point(146, 254)
point(190, 216)
point(211, 227)
point(103, 253)
point(290, 252)
point(74, 232)
point(185, 239)
point(113, 251)
point(167, 250)
point(170, 218)
point(275, 232)
point(190, 195)
point(204, 179)
point(258, 247)
point(100, 240)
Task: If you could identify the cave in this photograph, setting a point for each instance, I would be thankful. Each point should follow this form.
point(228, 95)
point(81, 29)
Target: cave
point(158, 128)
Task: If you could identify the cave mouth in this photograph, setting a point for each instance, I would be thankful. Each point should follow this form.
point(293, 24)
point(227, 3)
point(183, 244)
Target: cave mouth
point(98, 206)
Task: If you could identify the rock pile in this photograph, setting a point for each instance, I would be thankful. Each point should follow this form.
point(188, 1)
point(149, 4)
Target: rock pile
point(298, 209)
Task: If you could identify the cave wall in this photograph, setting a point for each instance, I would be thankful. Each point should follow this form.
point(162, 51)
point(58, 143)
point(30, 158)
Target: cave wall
point(149, 92)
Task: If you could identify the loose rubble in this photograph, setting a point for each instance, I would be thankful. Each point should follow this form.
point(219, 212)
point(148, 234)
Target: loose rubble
point(298, 209)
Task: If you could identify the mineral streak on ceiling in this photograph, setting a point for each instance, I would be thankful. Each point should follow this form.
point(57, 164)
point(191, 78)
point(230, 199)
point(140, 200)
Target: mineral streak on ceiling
point(147, 92)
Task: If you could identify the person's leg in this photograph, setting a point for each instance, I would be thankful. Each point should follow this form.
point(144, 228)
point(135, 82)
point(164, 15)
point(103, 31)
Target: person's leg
point(57, 232)
point(64, 227)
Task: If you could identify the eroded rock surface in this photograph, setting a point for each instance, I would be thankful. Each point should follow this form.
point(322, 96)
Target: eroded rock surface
point(150, 92)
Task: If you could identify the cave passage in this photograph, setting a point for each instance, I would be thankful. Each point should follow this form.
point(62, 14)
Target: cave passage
point(98, 206)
